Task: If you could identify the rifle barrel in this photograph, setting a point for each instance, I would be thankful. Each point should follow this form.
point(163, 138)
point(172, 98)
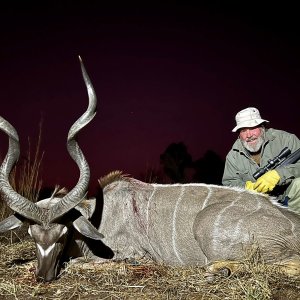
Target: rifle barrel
point(292, 158)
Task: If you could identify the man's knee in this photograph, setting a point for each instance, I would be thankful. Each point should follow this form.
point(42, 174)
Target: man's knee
point(293, 194)
point(294, 187)
point(296, 181)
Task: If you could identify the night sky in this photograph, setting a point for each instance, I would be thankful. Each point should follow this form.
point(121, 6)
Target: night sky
point(163, 74)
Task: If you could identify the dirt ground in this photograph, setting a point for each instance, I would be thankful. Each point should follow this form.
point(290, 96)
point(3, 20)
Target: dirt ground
point(141, 280)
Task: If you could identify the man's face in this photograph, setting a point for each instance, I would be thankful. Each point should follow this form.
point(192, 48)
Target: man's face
point(252, 138)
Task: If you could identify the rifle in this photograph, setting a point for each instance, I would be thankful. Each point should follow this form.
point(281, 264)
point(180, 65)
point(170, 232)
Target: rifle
point(282, 159)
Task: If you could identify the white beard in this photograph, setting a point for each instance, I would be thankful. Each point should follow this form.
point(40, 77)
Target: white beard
point(257, 146)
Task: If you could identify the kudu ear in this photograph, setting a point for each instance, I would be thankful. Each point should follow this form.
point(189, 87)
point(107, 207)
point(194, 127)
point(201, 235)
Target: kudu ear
point(86, 228)
point(10, 223)
point(87, 207)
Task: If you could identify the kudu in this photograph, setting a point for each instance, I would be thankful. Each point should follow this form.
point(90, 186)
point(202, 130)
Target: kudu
point(176, 224)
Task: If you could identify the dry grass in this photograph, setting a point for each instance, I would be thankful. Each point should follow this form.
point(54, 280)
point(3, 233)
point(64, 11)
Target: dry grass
point(24, 178)
point(145, 280)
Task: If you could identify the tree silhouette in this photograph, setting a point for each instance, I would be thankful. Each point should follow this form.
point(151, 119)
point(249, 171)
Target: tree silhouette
point(175, 160)
point(209, 169)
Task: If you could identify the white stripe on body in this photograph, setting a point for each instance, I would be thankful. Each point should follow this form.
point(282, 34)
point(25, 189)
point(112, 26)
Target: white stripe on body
point(147, 218)
point(174, 225)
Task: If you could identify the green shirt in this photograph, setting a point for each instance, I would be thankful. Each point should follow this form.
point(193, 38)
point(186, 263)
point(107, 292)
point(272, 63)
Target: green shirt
point(240, 167)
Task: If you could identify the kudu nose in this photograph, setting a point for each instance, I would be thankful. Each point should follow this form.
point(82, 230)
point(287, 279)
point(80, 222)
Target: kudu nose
point(44, 279)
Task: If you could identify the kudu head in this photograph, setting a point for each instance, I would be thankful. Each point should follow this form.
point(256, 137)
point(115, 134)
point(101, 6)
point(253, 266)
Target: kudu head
point(50, 219)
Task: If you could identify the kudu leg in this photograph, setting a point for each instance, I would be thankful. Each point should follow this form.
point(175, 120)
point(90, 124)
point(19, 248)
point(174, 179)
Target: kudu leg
point(291, 267)
point(221, 268)
point(225, 268)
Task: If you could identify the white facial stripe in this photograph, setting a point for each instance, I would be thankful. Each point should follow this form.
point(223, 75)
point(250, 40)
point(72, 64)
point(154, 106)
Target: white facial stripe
point(45, 253)
point(29, 231)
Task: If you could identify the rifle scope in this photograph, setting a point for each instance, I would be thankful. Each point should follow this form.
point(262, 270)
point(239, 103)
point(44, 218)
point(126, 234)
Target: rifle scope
point(273, 162)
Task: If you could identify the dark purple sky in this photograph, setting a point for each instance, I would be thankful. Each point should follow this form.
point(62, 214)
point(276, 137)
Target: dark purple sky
point(162, 74)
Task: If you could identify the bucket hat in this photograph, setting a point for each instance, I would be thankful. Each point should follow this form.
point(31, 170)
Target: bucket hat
point(248, 117)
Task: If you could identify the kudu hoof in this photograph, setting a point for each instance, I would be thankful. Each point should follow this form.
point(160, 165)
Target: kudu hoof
point(220, 269)
point(213, 276)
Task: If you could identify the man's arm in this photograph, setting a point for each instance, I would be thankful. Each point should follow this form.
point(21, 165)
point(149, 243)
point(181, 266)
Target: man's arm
point(282, 174)
point(288, 172)
point(230, 175)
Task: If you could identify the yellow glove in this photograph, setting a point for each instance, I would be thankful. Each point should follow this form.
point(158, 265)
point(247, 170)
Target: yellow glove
point(266, 182)
point(249, 185)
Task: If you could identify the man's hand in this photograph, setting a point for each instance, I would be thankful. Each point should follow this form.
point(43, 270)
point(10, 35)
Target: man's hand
point(249, 185)
point(267, 182)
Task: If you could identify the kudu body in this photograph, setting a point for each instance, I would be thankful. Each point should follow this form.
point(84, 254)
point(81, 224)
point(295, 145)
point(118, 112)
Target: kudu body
point(178, 224)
